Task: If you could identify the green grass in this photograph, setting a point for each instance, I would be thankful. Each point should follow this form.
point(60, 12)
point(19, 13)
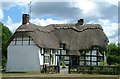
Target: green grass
point(37, 74)
point(19, 74)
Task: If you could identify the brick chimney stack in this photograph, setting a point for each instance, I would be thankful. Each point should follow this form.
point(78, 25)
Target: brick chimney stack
point(80, 22)
point(25, 19)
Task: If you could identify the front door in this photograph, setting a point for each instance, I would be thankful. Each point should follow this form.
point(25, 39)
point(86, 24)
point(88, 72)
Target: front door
point(75, 60)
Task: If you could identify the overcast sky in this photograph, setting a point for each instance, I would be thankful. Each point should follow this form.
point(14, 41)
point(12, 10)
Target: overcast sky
point(103, 12)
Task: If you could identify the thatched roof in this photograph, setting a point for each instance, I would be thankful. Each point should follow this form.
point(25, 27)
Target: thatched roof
point(76, 37)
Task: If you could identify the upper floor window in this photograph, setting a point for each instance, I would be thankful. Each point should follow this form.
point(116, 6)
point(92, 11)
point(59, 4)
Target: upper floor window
point(22, 41)
point(62, 46)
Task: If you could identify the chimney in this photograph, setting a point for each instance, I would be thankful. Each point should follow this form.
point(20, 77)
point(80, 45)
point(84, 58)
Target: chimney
point(25, 19)
point(80, 22)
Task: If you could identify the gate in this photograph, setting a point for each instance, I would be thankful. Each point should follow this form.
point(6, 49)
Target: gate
point(63, 63)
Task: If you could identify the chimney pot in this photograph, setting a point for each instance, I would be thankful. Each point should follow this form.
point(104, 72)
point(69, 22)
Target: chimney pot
point(80, 22)
point(25, 19)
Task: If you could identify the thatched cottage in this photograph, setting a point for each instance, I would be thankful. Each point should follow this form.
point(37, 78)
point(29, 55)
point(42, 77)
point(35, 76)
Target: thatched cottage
point(32, 46)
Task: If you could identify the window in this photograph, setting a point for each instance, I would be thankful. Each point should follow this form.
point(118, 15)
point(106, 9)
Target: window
point(54, 51)
point(22, 41)
point(63, 52)
point(87, 63)
point(89, 57)
point(66, 57)
point(82, 62)
point(94, 52)
point(94, 63)
point(46, 55)
point(82, 53)
point(52, 59)
point(94, 58)
point(62, 46)
point(81, 58)
point(47, 59)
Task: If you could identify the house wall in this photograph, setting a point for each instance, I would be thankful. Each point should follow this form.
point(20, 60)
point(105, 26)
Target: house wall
point(23, 58)
point(41, 56)
point(105, 59)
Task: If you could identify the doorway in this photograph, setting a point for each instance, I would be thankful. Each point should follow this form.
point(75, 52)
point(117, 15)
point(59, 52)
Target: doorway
point(75, 60)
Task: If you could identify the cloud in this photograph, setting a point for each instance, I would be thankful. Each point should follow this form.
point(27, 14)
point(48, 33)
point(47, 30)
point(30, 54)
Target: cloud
point(12, 26)
point(8, 5)
point(90, 9)
point(72, 10)
point(110, 28)
point(87, 9)
point(1, 15)
point(9, 20)
point(110, 2)
point(43, 22)
point(1, 12)
point(62, 10)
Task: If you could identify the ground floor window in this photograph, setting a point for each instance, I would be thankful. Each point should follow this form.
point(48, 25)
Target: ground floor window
point(47, 59)
point(90, 57)
point(49, 56)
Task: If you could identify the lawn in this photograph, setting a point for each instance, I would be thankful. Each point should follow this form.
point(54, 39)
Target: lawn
point(35, 74)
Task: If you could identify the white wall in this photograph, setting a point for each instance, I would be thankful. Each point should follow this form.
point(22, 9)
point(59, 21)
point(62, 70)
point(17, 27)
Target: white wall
point(22, 58)
point(105, 59)
point(41, 56)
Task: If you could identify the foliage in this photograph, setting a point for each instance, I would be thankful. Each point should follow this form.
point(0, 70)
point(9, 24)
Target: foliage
point(113, 56)
point(3, 62)
point(6, 34)
point(113, 49)
point(0, 34)
point(106, 70)
point(113, 59)
point(102, 63)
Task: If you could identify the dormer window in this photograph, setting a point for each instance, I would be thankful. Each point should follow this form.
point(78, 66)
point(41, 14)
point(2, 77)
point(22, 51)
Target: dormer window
point(62, 46)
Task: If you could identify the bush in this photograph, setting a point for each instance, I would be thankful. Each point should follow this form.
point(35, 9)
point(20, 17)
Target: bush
point(108, 70)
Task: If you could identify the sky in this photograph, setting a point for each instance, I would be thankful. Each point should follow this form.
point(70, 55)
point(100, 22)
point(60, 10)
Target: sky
point(103, 12)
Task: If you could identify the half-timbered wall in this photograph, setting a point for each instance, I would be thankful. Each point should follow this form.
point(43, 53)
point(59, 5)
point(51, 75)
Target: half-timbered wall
point(91, 57)
point(49, 57)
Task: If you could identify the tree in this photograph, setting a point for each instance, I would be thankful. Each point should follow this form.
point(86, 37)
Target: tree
point(6, 34)
point(113, 56)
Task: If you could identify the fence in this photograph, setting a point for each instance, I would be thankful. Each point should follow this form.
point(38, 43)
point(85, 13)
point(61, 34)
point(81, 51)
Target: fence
point(108, 70)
